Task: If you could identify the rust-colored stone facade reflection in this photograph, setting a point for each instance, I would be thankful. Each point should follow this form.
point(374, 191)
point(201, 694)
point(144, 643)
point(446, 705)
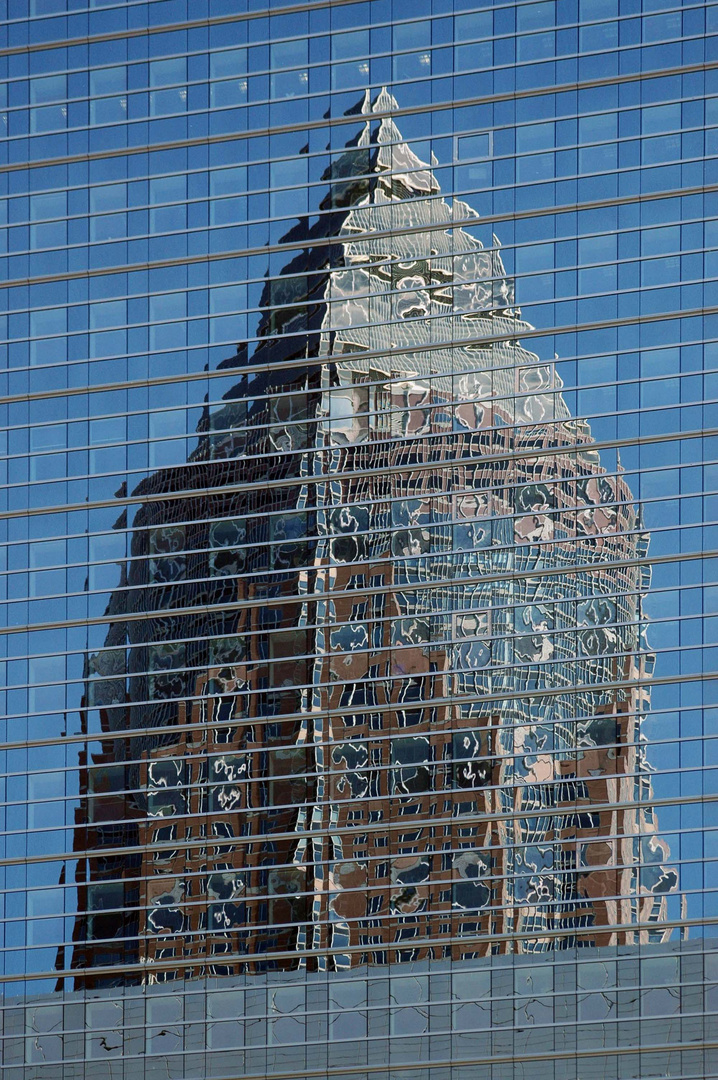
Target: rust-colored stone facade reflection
point(380, 695)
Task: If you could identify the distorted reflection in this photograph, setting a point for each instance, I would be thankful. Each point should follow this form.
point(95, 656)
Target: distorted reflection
point(374, 679)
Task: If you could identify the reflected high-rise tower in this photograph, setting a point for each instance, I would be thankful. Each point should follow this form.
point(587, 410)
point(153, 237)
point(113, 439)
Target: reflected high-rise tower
point(375, 674)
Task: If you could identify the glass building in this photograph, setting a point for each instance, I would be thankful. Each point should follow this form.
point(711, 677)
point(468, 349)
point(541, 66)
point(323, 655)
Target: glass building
point(358, 446)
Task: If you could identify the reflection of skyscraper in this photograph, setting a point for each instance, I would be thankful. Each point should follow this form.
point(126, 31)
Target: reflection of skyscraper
point(391, 634)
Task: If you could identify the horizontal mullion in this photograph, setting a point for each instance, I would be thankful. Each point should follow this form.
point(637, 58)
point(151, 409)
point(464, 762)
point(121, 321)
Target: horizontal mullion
point(327, 183)
point(348, 121)
point(310, 96)
point(527, 332)
point(578, 449)
point(384, 802)
point(641, 714)
point(508, 311)
point(388, 948)
point(388, 441)
point(239, 605)
point(378, 921)
point(476, 819)
point(279, 248)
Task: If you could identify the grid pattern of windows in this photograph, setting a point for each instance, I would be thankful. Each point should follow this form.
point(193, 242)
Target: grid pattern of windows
point(359, 469)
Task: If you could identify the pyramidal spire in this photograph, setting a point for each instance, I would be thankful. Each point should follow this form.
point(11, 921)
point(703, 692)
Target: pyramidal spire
point(410, 175)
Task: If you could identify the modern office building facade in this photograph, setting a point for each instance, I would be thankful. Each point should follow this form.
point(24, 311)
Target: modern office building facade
point(359, 439)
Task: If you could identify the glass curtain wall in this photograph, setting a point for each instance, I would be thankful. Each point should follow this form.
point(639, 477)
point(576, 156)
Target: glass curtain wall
point(357, 439)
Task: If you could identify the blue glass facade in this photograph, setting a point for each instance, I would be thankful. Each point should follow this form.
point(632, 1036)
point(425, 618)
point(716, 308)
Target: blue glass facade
point(358, 439)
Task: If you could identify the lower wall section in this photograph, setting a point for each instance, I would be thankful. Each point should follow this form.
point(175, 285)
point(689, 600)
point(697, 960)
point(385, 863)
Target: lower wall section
point(594, 1014)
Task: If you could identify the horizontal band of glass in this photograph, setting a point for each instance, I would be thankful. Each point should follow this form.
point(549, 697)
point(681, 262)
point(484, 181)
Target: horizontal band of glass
point(560, 636)
point(631, 970)
point(429, 108)
point(502, 609)
point(499, 323)
point(315, 157)
point(252, 296)
point(441, 909)
point(269, 591)
point(119, 740)
point(652, 244)
point(684, 319)
point(270, 573)
point(662, 268)
point(58, 432)
point(274, 572)
point(266, 592)
point(566, 640)
point(390, 951)
point(99, 320)
point(43, 555)
point(463, 31)
point(491, 674)
point(60, 114)
point(696, 455)
point(684, 334)
point(407, 997)
point(256, 154)
point(669, 722)
point(395, 1049)
point(244, 61)
point(231, 845)
point(229, 444)
point(337, 1048)
point(121, 553)
point(408, 1021)
point(685, 681)
point(341, 1053)
point(272, 252)
point(79, 468)
point(446, 816)
point(398, 466)
point(189, 735)
point(186, 792)
point(228, 125)
point(411, 991)
point(378, 921)
point(261, 215)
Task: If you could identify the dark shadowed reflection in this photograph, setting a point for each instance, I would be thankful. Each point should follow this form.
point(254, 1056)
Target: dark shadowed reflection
point(374, 677)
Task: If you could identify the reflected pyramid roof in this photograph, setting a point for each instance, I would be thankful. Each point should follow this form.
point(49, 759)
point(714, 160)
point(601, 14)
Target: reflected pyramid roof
point(414, 279)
